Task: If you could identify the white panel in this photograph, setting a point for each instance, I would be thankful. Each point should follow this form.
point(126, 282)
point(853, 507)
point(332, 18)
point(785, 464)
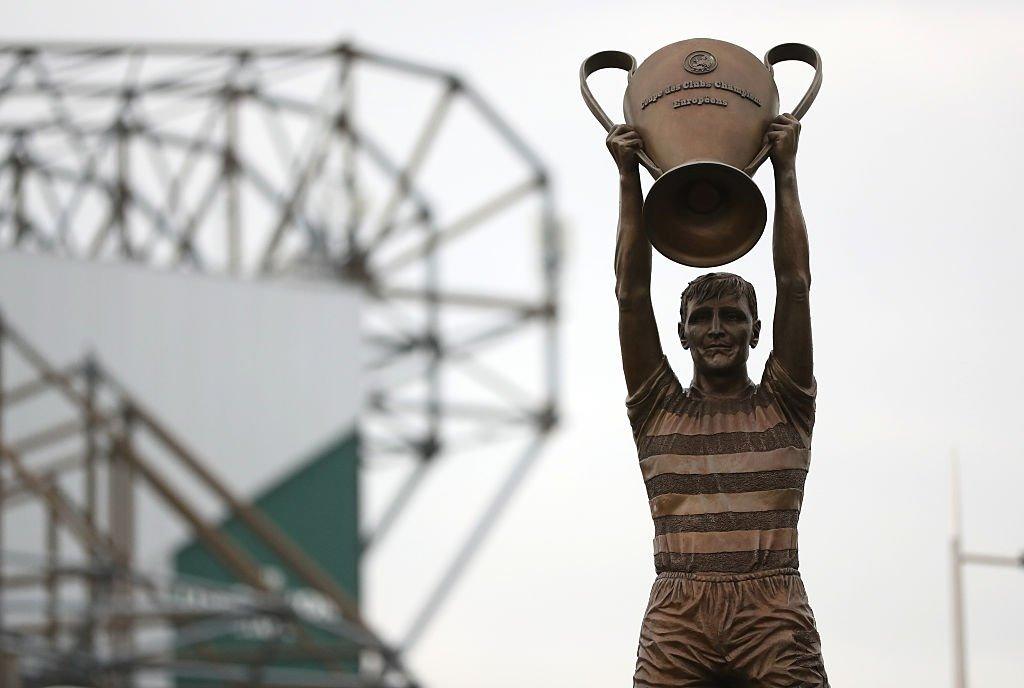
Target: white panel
point(253, 376)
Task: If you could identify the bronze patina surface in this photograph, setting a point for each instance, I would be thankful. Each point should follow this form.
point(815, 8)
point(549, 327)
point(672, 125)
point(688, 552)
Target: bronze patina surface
point(702, 107)
point(723, 460)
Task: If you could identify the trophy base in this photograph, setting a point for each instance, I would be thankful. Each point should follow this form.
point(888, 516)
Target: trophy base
point(704, 214)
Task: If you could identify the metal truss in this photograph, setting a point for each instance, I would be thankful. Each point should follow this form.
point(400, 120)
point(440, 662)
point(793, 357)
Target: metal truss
point(327, 163)
point(86, 613)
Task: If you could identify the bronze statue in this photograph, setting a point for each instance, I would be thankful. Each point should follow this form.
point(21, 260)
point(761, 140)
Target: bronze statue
point(724, 460)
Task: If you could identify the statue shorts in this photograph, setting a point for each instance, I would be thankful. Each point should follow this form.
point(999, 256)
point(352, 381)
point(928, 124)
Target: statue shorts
point(704, 630)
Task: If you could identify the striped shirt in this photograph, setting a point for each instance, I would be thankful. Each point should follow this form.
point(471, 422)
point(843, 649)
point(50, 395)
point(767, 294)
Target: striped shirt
point(724, 477)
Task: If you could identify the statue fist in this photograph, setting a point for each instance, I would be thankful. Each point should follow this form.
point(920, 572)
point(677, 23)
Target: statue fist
point(783, 134)
point(624, 144)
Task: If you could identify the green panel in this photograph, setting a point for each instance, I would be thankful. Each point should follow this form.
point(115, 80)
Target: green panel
point(317, 506)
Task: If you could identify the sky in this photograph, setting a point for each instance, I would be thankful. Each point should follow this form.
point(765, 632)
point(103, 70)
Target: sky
point(908, 177)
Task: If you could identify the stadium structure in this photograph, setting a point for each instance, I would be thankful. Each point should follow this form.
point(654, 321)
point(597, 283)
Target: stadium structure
point(324, 167)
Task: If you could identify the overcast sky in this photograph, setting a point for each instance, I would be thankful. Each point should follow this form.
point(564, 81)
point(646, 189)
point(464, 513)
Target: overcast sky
point(909, 172)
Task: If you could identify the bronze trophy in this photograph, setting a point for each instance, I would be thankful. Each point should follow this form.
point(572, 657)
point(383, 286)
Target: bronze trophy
point(701, 107)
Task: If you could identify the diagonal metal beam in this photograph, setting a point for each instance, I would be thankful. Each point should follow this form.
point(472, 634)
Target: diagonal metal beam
point(240, 563)
point(91, 539)
point(295, 198)
point(400, 191)
point(455, 570)
point(461, 226)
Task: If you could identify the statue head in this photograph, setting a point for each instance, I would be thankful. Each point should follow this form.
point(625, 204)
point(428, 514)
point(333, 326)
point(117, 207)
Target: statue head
point(718, 322)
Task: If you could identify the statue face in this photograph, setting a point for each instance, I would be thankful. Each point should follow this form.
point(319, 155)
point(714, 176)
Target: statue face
point(719, 333)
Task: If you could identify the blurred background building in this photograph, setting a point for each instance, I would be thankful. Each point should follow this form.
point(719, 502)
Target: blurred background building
point(278, 306)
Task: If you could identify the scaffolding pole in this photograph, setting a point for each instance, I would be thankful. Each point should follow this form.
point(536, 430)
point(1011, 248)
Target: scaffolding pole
point(958, 559)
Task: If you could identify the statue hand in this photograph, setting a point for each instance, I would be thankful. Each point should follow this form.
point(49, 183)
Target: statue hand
point(783, 134)
point(624, 144)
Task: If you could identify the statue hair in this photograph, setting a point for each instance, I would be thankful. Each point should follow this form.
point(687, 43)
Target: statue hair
point(714, 285)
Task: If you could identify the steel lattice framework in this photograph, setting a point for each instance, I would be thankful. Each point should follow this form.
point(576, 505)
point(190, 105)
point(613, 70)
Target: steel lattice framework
point(328, 163)
point(101, 620)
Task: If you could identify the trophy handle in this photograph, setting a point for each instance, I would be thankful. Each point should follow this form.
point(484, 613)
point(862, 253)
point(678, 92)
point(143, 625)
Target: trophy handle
point(782, 53)
point(604, 60)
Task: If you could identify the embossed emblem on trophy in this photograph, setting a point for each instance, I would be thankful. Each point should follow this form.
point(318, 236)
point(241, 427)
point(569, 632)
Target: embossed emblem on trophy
point(702, 107)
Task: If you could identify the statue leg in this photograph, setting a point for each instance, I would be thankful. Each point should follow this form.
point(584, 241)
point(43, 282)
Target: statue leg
point(772, 641)
point(678, 645)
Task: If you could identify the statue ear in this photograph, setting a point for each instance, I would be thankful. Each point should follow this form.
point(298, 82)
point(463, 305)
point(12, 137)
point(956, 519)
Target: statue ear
point(755, 334)
point(682, 337)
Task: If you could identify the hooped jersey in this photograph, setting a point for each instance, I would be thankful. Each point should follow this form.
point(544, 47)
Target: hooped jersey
point(724, 477)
